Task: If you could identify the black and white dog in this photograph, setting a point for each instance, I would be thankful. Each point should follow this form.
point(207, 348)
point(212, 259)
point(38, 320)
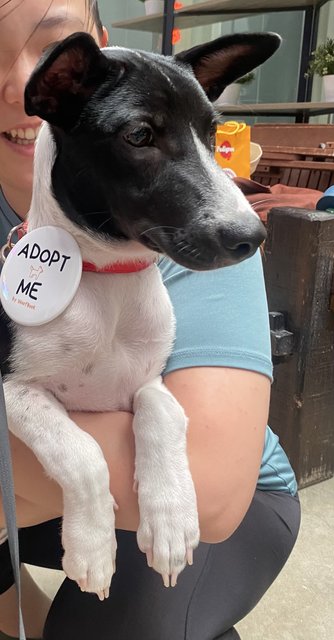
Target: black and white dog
point(125, 166)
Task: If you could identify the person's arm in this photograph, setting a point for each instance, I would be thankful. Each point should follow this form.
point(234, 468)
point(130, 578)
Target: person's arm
point(227, 410)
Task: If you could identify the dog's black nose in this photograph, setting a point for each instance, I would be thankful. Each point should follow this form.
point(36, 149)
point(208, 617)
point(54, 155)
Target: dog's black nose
point(241, 241)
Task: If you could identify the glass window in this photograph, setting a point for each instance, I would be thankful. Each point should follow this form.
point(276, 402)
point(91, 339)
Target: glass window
point(275, 81)
point(116, 11)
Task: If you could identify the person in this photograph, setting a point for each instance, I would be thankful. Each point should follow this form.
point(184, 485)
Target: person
point(220, 371)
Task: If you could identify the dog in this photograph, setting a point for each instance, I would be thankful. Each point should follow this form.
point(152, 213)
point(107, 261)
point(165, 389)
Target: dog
point(124, 165)
point(35, 272)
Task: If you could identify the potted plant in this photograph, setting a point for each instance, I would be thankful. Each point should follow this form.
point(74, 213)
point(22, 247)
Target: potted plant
point(322, 64)
point(153, 6)
point(231, 93)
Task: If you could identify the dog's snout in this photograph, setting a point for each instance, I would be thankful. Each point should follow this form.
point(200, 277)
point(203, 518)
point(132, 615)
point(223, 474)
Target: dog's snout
point(204, 245)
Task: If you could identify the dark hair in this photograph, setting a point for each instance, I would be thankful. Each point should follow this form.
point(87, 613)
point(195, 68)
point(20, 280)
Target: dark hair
point(95, 13)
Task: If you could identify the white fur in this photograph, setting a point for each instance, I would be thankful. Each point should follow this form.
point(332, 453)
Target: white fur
point(109, 345)
point(219, 183)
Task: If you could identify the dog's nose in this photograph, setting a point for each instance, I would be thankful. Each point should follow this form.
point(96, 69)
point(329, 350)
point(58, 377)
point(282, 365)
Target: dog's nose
point(241, 241)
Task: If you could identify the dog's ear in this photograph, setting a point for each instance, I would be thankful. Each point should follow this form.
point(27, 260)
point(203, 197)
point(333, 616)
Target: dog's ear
point(65, 78)
point(220, 62)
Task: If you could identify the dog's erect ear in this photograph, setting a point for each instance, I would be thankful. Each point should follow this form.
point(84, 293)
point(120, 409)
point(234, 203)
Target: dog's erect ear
point(220, 62)
point(65, 78)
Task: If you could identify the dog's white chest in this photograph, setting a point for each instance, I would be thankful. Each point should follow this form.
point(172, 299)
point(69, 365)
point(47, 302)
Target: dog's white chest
point(115, 336)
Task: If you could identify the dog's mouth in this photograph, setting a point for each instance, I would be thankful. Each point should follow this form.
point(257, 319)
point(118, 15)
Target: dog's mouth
point(148, 241)
point(181, 250)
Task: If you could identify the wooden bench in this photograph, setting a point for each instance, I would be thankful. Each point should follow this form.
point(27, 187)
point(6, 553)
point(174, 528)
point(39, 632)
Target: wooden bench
point(298, 155)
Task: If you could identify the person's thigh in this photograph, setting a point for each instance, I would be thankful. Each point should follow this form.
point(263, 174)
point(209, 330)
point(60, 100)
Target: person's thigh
point(39, 545)
point(224, 584)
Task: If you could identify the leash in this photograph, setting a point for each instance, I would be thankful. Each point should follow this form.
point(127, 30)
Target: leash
point(8, 500)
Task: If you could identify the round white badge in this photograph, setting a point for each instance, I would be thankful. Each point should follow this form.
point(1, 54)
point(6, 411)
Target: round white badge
point(40, 276)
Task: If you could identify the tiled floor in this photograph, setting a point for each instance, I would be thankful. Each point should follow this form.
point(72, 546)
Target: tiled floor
point(300, 604)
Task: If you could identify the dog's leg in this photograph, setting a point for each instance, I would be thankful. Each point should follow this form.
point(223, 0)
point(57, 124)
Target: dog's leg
point(74, 460)
point(168, 530)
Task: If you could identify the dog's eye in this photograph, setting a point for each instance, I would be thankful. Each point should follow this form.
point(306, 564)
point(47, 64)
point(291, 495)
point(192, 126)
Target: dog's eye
point(141, 136)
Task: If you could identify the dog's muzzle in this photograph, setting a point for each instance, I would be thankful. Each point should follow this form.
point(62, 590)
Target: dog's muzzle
point(201, 248)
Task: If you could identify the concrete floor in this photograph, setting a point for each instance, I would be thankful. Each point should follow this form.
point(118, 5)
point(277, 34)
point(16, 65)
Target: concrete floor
point(300, 604)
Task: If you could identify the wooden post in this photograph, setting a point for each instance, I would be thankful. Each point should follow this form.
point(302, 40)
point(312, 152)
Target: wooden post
point(299, 267)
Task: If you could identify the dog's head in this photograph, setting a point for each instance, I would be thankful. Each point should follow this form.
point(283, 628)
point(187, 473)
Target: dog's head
point(134, 133)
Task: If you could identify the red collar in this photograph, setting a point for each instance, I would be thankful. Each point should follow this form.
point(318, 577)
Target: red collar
point(118, 267)
point(132, 266)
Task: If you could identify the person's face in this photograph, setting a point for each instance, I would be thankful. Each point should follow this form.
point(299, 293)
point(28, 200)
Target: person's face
point(26, 28)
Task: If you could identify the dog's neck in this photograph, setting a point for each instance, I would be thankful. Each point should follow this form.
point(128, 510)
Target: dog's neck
point(45, 211)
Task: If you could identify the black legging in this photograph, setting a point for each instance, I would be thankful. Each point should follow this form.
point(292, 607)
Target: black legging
point(224, 584)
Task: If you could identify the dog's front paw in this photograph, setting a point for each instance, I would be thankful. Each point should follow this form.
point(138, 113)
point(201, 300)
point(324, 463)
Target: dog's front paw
point(90, 547)
point(169, 530)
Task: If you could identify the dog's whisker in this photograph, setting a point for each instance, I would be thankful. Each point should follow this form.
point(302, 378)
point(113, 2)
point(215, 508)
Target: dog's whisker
point(103, 223)
point(191, 250)
point(160, 228)
point(169, 233)
point(182, 249)
point(81, 172)
point(183, 243)
point(95, 213)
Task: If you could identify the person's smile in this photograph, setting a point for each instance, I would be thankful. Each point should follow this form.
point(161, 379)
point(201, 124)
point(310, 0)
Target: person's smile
point(21, 138)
